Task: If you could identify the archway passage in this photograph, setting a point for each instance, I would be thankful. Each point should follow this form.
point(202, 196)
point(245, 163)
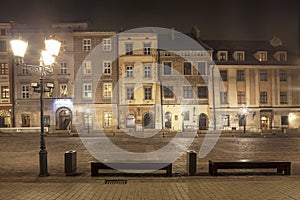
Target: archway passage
point(63, 119)
point(203, 121)
point(148, 121)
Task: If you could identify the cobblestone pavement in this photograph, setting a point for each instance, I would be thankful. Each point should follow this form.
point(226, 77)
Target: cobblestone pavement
point(19, 170)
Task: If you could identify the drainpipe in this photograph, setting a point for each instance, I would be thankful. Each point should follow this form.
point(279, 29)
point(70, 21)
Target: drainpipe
point(213, 97)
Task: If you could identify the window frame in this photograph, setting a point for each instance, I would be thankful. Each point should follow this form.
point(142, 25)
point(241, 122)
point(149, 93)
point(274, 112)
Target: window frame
point(86, 44)
point(107, 90)
point(107, 46)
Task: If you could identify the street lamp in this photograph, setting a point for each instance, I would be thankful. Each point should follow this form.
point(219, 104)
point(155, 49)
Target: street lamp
point(45, 67)
point(244, 113)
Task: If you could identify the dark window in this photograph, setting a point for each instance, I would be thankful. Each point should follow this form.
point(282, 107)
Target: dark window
point(282, 75)
point(167, 68)
point(263, 75)
point(128, 48)
point(241, 97)
point(240, 74)
point(242, 120)
point(283, 97)
point(168, 92)
point(263, 97)
point(284, 120)
point(201, 68)
point(202, 92)
point(3, 32)
point(130, 93)
point(3, 47)
point(223, 97)
point(223, 74)
point(4, 69)
point(188, 92)
point(187, 68)
point(148, 93)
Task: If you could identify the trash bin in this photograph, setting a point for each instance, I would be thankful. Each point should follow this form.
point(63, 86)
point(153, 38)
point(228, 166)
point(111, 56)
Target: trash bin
point(70, 163)
point(191, 163)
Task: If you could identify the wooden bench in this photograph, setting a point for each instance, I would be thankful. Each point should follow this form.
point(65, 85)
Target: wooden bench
point(96, 165)
point(283, 167)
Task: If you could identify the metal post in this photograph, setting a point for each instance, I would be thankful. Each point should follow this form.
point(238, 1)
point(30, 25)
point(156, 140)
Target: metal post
point(43, 152)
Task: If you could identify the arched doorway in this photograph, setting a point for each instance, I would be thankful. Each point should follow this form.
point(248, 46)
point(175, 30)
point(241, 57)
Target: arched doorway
point(130, 121)
point(203, 121)
point(168, 120)
point(63, 119)
point(148, 121)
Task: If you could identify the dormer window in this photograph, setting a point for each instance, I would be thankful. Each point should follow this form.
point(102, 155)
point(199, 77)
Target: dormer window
point(281, 56)
point(239, 55)
point(222, 56)
point(262, 56)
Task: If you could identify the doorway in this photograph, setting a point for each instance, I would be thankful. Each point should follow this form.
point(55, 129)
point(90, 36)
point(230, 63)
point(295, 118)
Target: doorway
point(63, 119)
point(203, 121)
point(168, 120)
point(148, 122)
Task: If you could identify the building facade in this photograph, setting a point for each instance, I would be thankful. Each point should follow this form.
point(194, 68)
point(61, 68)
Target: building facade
point(6, 81)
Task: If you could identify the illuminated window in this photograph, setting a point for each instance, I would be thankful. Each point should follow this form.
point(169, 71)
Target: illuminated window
point(107, 119)
point(87, 90)
point(262, 56)
point(107, 90)
point(87, 68)
point(4, 69)
point(4, 92)
point(225, 120)
point(63, 90)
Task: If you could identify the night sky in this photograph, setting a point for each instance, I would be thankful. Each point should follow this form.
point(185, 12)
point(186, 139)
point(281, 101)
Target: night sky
point(230, 19)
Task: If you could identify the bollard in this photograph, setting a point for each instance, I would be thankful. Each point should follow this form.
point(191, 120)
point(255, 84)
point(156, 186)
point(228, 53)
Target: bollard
point(70, 163)
point(191, 163)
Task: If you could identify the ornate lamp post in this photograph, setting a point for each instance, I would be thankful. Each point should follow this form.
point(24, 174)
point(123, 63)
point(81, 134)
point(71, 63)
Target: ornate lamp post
point(45, 67)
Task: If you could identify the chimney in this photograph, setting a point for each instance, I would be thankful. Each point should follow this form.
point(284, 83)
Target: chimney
point(196, 32)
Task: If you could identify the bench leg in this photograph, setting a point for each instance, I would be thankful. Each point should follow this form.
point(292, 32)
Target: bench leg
point(169, 170)
point(94, 170)
point(213, 170)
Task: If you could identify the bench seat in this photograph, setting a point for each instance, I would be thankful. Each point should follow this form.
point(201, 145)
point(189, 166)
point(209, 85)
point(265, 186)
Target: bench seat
point(283, 167)
point(96, 165)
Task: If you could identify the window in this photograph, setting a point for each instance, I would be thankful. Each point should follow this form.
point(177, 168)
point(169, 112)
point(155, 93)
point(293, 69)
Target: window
point(241, 97)
point(87, 68)
point(25, 70)
point(167, 68)
point(87, 90)
point(129, 71)
point(3, 32)
point(283, 98)
point(240, 56)
point(223, 97)
point(168, 92)
point(201, 68)
point(147, 71)
point(187, 68)
point(107, 44)
point(25, 91)
point(202, 92)
point(130, 93)
point(242, 120)
point(88, 120)
point(225, 120)
point(107, 119)
point(186, 115)
point(147, 48)
point(3, 47)
point(263, 75)
point(128, 48)
point(240, 75)
point(63, 90)
point(263, 97)
point(107, 67)
point(223, 74)
point(107, 88)
point(282, 75)
point(148, 93)
point(87, 44)
point(188, 92)
point(262, 56)
point(4, 69)
point(63, 45)
point(282, 56)
point(63, 68)
point(223, 55)
point(284, 120)
point(4, 92)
